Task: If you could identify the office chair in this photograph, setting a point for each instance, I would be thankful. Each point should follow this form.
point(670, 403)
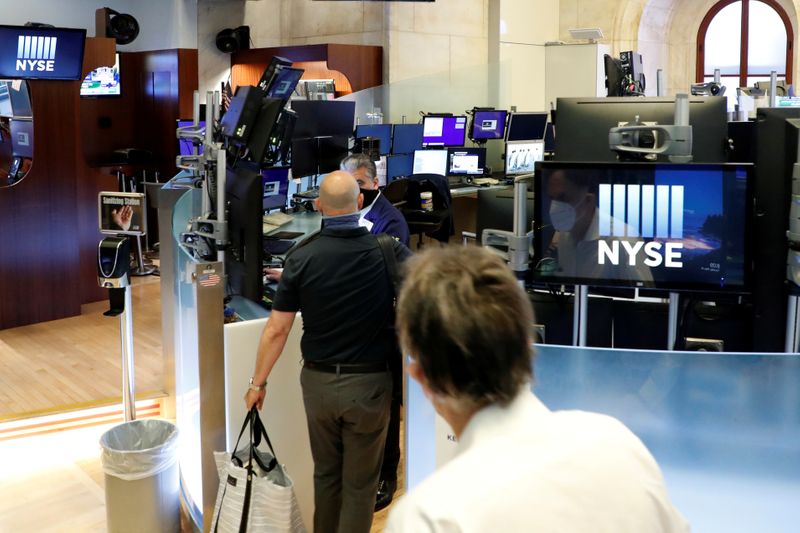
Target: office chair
point(396, 192)
point(436, 224)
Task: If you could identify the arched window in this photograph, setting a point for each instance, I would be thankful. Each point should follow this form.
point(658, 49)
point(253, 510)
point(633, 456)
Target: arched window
point(746, 40)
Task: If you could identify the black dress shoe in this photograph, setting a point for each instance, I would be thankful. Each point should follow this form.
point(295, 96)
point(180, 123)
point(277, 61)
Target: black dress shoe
point(386, 488)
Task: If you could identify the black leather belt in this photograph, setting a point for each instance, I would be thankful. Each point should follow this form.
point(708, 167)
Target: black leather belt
point(347, 368)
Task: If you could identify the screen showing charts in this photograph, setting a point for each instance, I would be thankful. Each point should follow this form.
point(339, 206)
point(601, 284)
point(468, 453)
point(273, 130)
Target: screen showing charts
point(527, 127)
point(102, 81)
point(466, 161)
point(521, 157)
point(444, 131)
point(430, 162)
point(666, 226)
point(488, 125)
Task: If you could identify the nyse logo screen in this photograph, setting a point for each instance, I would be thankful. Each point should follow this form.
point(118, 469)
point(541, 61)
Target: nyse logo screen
point(41, 53)
point(627, 214)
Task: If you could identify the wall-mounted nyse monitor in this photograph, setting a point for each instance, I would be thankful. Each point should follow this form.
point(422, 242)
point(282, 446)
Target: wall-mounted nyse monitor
point(678, 227)
point(430, 162)
point(382, 132)
point(103, 81)
point(406, 138)
point(527, 127)
point(490, 124)
point(466, 161)
point(521, 156)
point(41, 53)
point(444, 131)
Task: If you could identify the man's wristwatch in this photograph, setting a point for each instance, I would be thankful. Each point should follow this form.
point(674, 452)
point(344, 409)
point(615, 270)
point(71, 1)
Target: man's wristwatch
point(259, 388)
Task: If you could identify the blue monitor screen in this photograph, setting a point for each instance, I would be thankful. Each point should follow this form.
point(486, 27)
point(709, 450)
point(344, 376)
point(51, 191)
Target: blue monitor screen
point(275, 182)
point(185, 146)
point(398, 166)
point(444, 131)
point(527, 127)
point(378, 131)
point(284, 83)
point(407, 138)
point(669, 226)
point(41, 53)
point(488, 125)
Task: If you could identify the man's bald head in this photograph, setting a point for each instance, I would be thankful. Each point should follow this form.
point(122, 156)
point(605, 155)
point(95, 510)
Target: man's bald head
point(339, 194)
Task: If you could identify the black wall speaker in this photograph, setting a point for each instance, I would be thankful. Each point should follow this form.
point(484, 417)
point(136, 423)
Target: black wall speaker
point(122, 27)
point(232, 40)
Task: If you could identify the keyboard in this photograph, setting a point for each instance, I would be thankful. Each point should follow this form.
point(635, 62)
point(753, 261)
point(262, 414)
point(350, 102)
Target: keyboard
point(485, 181)
point(277, 219)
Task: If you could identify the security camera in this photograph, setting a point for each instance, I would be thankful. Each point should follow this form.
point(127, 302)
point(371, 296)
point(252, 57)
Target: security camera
point(711, 88)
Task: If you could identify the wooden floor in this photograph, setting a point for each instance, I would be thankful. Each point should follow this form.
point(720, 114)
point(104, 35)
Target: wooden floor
point(55, 483)
point(75, 362)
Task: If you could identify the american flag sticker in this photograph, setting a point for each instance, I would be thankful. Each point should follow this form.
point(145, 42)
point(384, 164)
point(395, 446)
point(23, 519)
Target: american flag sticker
point(209, 279)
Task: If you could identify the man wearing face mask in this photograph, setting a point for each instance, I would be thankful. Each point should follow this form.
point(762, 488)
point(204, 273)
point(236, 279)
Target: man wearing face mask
point(338, 280)
point(378, 215)
point(574, 216)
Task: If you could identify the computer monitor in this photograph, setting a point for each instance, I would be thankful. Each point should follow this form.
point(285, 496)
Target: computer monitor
point(275, 185)
point(284, 82)
point(406, 138)
point(244, 255)
point(304, 157)
point(103, 81)
point(678, 227)
point(430, 162)
point(527, 127)
point(614, 75)
point(466, 161)
point(582, 125)
point(382, 132)
point(317, 118)
point(185, 146)
point(399, 166)
point(521, 156)
point(488, 124)
point(550, 138)
point(21, 137)
point(443, 131)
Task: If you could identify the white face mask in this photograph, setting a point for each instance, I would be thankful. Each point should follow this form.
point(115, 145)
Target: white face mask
point(562, 215)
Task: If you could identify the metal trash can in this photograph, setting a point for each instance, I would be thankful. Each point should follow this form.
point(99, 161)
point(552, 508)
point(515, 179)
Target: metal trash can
point(140, 462)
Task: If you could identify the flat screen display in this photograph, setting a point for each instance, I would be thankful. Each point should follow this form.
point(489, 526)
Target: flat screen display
point(466, 161)
point(406, 138)
point(679, 227)
point(377, 131)
point(102, 81)
point(444, 131)
point(527, 127)
point(41, 53)
point(488, 125)
point(521, 157)
point(430, 162)
point(316, 118)
point(275, 183)
point(284, 83)
point(399, 166)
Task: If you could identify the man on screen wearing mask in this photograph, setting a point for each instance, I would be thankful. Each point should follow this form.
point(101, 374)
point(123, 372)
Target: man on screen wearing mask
point(575, 218)
point(378, 215)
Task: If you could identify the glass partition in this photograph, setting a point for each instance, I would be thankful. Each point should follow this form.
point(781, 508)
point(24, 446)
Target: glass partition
point(724, 427)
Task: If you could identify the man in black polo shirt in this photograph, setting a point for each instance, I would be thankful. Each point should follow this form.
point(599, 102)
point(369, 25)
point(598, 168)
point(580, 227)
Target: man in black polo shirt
point(339, 282)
